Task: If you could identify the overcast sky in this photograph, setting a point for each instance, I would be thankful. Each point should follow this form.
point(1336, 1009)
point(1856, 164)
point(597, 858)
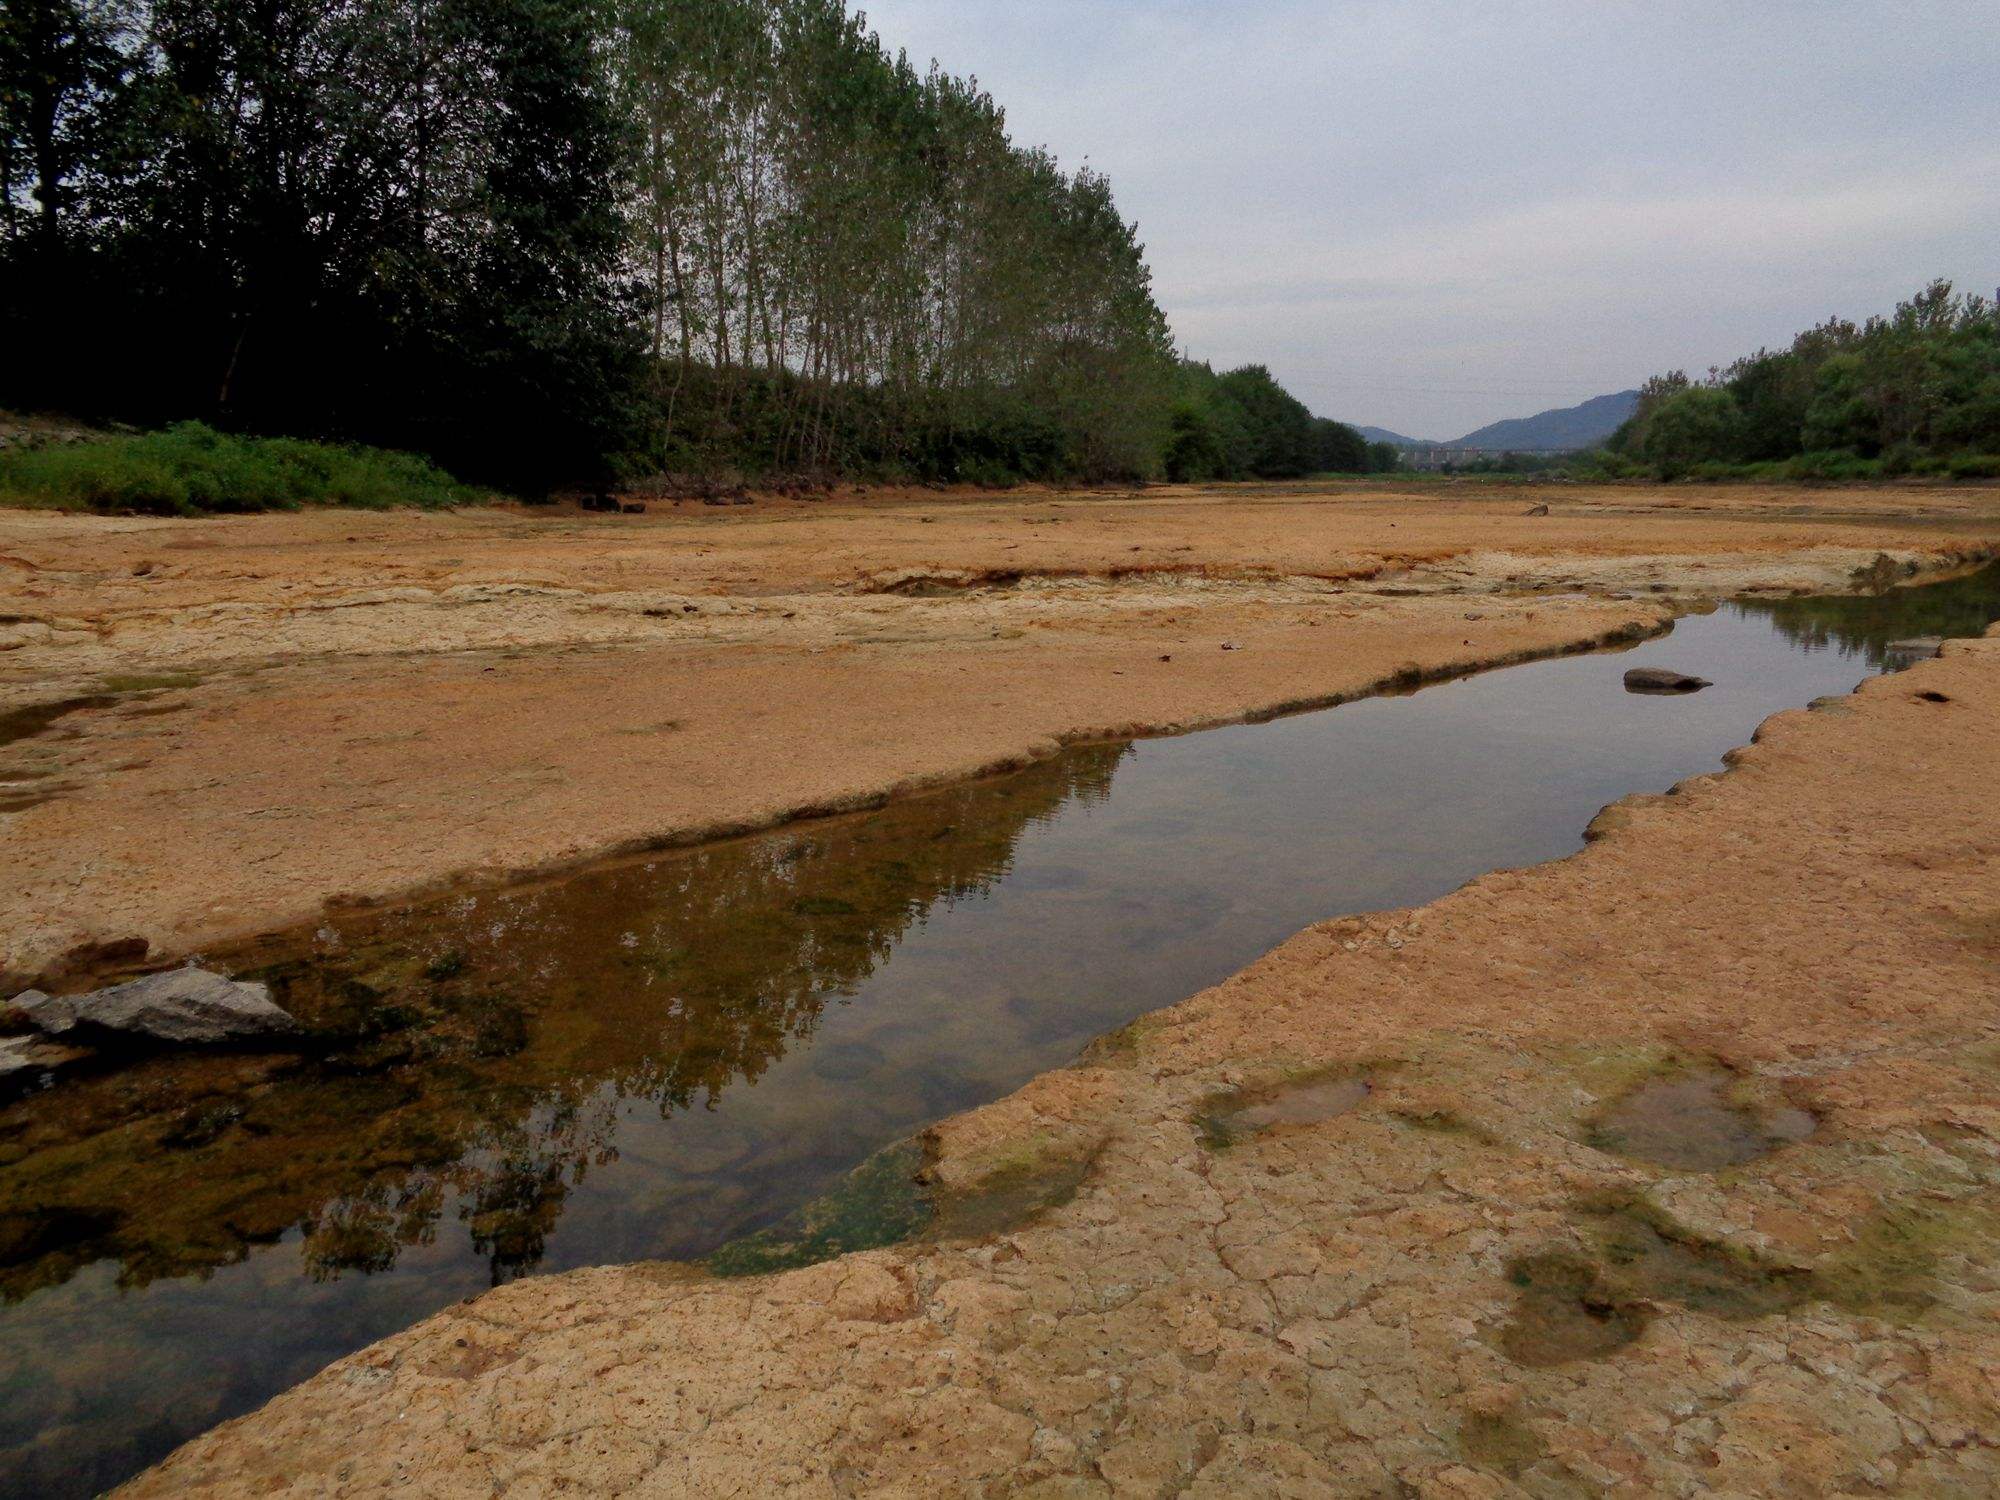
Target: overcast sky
point(1429, 214)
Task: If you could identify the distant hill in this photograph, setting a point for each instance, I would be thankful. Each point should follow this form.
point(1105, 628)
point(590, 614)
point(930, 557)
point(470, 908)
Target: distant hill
point(1384, 435)
point(1582, 426)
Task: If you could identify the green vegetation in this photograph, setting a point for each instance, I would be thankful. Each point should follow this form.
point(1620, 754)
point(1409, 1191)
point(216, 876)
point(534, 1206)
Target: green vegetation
point(392, 223)
point(556, 241)
point(190, 469)
point(1917, 392)
point(881, 1202)
point(1244, 425)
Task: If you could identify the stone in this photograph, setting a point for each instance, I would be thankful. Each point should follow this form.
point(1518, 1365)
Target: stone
point(15, 1056)
point(190, 1007)
point(1539, 510)
point(1663, 680)
point(23, 1058)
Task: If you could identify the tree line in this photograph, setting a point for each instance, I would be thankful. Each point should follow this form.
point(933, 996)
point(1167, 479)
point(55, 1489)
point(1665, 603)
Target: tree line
point(1915, 392)
point(546, 240)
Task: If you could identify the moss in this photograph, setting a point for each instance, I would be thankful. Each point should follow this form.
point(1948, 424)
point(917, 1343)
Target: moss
point(1120, 1048)
point(881, 1202)
point(1611, 1071)
point(1013, 1194)
point(1891, 1267)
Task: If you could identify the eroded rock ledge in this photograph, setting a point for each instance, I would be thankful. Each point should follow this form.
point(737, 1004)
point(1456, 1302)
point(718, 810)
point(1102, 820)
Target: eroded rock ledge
point(1445, 1278)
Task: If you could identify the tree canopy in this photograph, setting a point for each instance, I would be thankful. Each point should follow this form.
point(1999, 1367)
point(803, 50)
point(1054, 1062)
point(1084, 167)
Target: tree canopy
point(541, 239)
point(1917, 391)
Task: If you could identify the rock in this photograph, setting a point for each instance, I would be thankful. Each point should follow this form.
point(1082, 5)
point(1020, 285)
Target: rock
point(1918, 648)
point(15, 1056)
point(23, 1058)
point(1539, 510)
point(191, 1007)
point(1663, 680)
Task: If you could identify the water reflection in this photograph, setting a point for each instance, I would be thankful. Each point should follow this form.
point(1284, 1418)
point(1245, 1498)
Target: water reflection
point(655, 1059)
point(1863, 625)
point(485, 1051)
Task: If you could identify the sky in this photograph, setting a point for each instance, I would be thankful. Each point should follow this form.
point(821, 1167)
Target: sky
point(1427, 215)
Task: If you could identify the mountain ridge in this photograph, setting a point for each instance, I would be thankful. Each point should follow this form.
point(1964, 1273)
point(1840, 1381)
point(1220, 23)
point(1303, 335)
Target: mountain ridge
point(1561, 428)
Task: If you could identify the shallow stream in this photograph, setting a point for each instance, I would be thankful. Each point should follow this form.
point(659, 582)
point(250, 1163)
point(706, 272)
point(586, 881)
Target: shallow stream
point(654, 1058)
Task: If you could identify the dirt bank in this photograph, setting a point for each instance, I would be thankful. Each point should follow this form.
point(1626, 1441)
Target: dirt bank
point(1397, 1210)
point(277, 710)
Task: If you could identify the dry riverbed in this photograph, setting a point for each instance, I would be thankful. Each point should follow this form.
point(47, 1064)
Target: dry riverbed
point(1672, 1167)
point(262, 714)
point(1669, 1168)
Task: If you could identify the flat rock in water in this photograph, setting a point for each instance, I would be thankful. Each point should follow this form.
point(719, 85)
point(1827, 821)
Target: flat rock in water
point(1663, 680)
point(1920, 648)
point(190, 1007)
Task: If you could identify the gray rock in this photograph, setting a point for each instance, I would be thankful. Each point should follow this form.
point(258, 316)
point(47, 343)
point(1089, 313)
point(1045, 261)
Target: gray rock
point(46, 1011)
point(1663, 680)
point(1919, 648)
point(191, 1007)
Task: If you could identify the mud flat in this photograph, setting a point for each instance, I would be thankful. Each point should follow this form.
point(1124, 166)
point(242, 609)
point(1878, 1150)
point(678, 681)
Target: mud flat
point(270, 713)
point(1404, 1207)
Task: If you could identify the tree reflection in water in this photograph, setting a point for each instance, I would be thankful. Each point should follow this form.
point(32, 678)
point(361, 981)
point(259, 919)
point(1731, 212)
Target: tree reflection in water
point(481, 1050)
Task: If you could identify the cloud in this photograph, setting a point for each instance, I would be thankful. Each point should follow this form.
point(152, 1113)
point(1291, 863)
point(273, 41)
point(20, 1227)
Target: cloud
point(1393, 202)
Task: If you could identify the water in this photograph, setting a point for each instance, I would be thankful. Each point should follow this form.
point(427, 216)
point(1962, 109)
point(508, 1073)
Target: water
point(652, 1059)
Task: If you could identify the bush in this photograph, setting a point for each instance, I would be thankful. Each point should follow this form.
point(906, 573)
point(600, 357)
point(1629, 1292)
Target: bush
point(1975, 466)
point(1834, 467)
point(191, 469)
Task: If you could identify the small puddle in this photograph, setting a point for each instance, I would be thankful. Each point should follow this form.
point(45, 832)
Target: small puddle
point(1304, 1103)
point(1565, 1310)
point(1692, 1122)
point(663, 1057)
point(1571, 1306)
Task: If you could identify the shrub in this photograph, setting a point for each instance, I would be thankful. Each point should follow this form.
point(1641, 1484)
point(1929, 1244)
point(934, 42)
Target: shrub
point(191, 469)
point(1834, 467)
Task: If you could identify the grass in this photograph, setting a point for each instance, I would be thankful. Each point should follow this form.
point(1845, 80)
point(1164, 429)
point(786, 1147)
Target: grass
point(191, 469)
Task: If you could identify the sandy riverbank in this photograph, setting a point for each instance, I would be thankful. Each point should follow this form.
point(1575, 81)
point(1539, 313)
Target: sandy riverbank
point(277, 711)
point(1445, 1263)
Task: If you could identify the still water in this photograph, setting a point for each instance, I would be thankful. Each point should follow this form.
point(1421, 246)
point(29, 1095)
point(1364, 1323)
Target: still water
point(652, 1059)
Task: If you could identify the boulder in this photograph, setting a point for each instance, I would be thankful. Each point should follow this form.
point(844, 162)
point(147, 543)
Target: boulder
point(1663, 680)
point(189, 1007)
